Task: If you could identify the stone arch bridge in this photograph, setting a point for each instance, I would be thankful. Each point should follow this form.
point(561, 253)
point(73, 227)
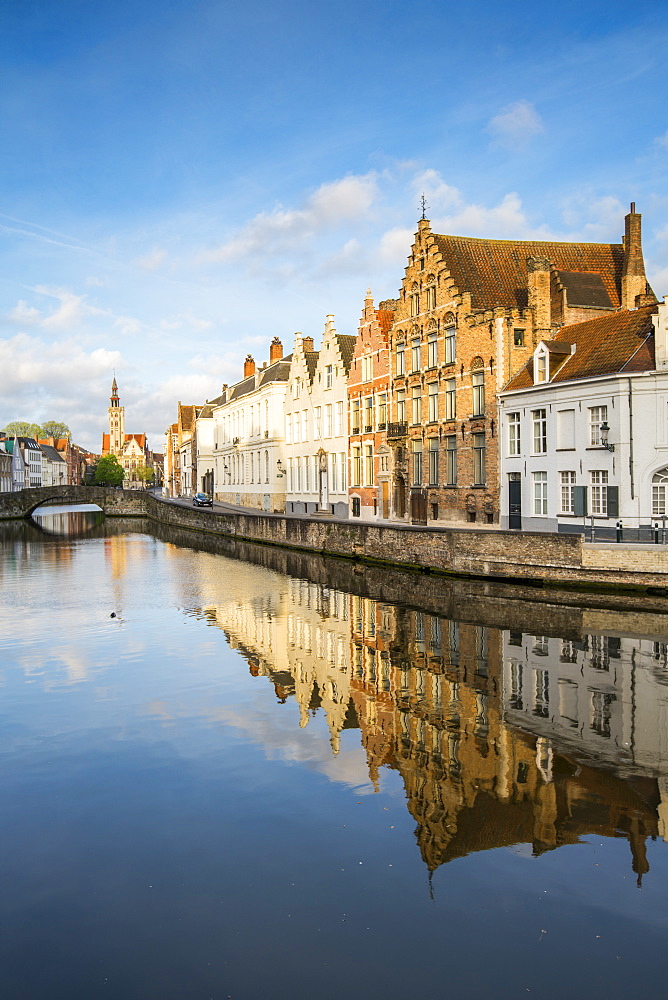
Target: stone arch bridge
point(129, 503)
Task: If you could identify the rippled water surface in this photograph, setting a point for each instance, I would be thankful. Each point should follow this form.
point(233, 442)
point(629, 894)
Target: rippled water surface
point(246, 774)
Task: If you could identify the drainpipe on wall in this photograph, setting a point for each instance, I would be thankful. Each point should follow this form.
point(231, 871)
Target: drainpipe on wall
point(631, 438)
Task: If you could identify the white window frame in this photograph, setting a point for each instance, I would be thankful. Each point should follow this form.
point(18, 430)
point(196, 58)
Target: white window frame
point(598, 492)
point(566, 492)
point(539, 480)
point(597, 415)
point(514, 433)
point(539, 427)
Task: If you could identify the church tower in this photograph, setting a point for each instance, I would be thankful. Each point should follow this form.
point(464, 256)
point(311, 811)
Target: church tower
point(116, 422)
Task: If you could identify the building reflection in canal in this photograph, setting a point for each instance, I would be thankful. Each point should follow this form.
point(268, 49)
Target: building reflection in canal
point(500, 737)
point(193, 729)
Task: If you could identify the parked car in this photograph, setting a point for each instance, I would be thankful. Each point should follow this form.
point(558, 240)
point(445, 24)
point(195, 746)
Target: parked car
point(202, 500)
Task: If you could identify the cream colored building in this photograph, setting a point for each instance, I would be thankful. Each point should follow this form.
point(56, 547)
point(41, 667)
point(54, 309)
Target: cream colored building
point(248, 442)
point(316, 424)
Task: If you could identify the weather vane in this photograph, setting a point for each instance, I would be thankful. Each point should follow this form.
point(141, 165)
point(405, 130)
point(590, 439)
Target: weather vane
point(423, 202)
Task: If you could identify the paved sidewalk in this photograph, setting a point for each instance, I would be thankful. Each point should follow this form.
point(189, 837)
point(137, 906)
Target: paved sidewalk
point(224, 507)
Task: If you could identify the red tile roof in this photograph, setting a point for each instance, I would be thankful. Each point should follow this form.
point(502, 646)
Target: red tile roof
point(620, 342)
point(495, 271)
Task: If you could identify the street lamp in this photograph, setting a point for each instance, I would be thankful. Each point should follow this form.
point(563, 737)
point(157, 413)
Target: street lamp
point(605, 432)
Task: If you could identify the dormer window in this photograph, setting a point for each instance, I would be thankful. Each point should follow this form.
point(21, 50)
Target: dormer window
point(548, 359)
point(542, 368)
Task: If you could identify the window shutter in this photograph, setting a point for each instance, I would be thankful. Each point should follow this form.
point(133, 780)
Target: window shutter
point(580, 501)
point(613, 501)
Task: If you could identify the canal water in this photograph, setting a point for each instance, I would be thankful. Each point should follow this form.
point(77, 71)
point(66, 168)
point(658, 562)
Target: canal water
point(235, 772)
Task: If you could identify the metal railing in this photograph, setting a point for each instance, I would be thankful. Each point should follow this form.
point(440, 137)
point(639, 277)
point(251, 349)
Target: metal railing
point(397, 430)
point(641, 530)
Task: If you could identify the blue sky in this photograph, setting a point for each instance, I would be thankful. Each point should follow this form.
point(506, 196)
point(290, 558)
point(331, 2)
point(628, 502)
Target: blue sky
point(183, 181)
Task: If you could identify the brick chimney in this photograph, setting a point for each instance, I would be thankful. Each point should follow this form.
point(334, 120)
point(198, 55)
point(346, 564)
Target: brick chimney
point(249, 366)
point(275, 350)
point(538, 287)
point(634, 282)
point(307, 343)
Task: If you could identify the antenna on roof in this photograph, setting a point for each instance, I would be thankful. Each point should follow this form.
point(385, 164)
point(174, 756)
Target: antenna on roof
point(423, 203)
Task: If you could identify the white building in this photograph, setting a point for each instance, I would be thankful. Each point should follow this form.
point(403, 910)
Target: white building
point(32, 461)
point(316, 424)
point(584, 427)
point(248, 442)
point(54, 467)
point(204, 439)
point(601, 694)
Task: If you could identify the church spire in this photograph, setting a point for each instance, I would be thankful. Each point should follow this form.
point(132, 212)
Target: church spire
point(116, 423)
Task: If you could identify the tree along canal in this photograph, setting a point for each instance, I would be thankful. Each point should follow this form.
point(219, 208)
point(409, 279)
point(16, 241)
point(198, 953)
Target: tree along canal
point(230, 771)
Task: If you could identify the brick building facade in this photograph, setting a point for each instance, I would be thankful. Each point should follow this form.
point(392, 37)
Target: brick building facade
point(469, 315)
point(368, 400)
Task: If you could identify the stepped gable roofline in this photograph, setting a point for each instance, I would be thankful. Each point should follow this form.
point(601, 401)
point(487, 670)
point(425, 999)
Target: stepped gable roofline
point(495, 272)
point(139, 438)
point(622, 342)
point(385, 319)
point(187, 414)
point(346, 343)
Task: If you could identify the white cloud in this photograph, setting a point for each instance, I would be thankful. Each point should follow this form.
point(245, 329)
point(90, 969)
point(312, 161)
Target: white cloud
point(57, 381)
point(128, 326)
point(596, 218)
point(449, 212)
point(440, 196)
point(662, 140)
point(71, 310)
point(291, 230)
point(515, 124)
point(23, 314)
point(658, 279)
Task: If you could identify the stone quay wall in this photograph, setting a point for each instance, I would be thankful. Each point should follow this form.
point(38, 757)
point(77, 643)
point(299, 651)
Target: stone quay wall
point(490, 553)
point(528, 557)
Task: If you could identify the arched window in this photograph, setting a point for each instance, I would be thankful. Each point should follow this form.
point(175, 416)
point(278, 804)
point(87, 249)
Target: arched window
point(659, 485)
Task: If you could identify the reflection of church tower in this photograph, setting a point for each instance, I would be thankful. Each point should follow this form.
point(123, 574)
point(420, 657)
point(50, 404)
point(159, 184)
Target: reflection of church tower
point(116, 422)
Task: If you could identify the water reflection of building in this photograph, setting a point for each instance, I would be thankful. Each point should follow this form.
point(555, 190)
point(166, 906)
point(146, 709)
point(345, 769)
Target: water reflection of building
point(296, 633)
point(602, 695)
point(432, 698)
